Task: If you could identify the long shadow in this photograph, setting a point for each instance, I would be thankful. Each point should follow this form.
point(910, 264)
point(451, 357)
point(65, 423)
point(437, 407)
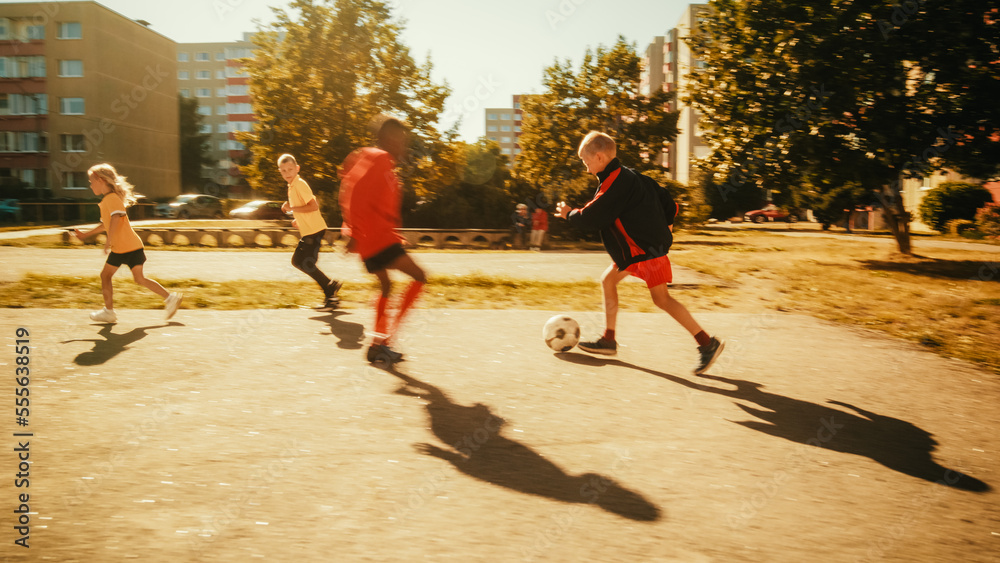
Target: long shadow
point(937, 268)
point(477, 448)
point(351, 335)
point(894, 443)
point(113, 344)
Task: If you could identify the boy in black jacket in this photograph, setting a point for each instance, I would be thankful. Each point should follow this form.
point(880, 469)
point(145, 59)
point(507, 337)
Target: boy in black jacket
point(635, 217)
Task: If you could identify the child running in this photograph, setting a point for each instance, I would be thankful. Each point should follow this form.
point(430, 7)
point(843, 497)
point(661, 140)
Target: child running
point(123, 246)
point(312, 229)
point(370, 202)
point(635, 216)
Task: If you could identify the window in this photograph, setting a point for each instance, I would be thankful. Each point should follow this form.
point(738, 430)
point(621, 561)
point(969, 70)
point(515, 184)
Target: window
point(220, 74)
point(24, 104)
point(223, 145)
point(75, 180)
point(70, 68)
point(70, 30)
point(238, 90)
point(493, 138)
point(36, 178)
point(205, 128)
point(22, 67)
point(491, 128)
point(34, 32)
point(185, 92)
point(8, 143)
point(517, 151)
point(201, 57)
point(505, 117)
point(203, 75)
point(182, 57)
point(505, 151)
point(517, 128)
point(222, 128)
point(183, 75)
point(517, 105)
point(491, 116)
point(220, 92)
point(5, 28)
point(504, 139)
point(204, 110)
point(235, 72)
point(71, 106)
point(242, 126)
point(220, 56)
point(203, 92)
point(237, 53)
point(220, 110)
point(239, 108)
point(505, 128)
point(72, 143)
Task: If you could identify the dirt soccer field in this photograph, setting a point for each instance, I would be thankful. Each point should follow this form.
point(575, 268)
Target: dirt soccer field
point(230, 436)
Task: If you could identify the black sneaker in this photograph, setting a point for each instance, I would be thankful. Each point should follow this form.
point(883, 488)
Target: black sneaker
point(600, 346)
point(331, 301)
point(708, 353)
point(383, 353)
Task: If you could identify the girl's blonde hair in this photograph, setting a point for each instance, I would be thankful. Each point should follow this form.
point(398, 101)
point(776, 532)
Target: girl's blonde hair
point(117, 182)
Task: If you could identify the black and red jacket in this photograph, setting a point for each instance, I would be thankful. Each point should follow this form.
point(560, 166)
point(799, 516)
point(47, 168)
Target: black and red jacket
point(633, 214)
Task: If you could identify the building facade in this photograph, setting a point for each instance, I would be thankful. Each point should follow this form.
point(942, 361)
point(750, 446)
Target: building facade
point(81, 84)
point(678, 65)
point(503, 126)
point(212, 74)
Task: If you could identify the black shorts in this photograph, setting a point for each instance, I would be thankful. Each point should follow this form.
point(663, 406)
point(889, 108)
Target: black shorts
point(382, 260)
point(131, 259)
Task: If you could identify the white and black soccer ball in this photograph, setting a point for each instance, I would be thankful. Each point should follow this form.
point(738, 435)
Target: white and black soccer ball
point(561, 333)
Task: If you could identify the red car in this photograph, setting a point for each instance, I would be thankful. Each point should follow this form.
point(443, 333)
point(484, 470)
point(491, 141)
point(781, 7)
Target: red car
point(770, 213)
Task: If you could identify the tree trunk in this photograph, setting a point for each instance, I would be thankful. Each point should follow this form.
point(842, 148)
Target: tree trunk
point(897, 217)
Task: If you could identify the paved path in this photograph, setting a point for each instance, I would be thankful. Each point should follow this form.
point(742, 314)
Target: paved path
point(236, 436)
point(916, 242)
point(225, 266)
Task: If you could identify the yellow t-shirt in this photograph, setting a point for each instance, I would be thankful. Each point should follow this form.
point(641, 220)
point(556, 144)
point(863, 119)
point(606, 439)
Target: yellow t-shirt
point(299, 194)
point(123, 239)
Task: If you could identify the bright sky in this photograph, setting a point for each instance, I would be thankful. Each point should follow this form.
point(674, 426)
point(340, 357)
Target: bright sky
point(486, 50)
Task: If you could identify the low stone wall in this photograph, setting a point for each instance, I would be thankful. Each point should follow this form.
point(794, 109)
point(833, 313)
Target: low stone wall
point(287, 236)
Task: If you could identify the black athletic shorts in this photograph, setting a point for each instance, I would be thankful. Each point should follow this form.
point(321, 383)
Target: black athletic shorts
point(382, 260)
point(131, 259)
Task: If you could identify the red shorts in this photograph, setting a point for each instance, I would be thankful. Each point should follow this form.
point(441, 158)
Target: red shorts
point(654, 272)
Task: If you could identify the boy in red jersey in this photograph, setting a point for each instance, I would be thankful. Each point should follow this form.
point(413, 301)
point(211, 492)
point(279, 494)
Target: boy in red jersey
point(370, 204)
point(635, 216)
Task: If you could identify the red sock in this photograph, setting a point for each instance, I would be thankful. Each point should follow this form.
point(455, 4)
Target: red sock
point(409, 298)
point(702, 338)
point(609, 335)
point(381, 320)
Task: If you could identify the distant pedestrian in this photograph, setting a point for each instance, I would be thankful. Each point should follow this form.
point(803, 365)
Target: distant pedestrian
point(522, 225)
point(370, 203)
point(123, 246)
point(635, 216)
point(312, 229)
point(539, 224)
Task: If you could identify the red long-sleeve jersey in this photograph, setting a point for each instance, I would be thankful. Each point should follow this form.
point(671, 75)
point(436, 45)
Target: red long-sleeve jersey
point(369, 201)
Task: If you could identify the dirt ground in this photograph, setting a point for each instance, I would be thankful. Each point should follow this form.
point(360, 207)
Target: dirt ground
point(241, 435)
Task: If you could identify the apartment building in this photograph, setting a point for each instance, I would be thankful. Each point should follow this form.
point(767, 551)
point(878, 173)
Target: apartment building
point(82, 84)
point(503, 126)
point(212, 74)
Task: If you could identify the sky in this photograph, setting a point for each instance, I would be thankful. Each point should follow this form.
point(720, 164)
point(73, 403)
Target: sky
point(486, 50)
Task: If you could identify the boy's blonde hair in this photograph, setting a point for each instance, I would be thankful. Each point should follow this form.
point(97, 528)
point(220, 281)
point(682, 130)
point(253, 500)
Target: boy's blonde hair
point(116, 181)
point(597, 142)
point(285, 158)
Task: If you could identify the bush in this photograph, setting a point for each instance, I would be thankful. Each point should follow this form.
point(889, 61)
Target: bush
point(952, 200)
point(988, 220)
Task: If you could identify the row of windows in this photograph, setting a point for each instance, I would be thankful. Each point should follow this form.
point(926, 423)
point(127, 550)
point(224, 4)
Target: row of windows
point(22, 67)
point(501, 117)
point(230, 127)
point(231, 90)
point(503, 128)
point(229, 72)
point(28, 30)
point(23, 141)
point(200, 57)
point(24, 104)
point(32, 177)
point(501, 139)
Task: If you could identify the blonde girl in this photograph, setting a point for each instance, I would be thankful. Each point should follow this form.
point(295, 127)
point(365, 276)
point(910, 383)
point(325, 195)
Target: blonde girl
point(123, 246)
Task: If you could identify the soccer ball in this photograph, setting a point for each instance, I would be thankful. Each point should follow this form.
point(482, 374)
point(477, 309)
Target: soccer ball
point(561, 333)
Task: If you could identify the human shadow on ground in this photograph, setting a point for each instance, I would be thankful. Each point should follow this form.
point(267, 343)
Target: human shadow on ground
point(477, 448)
point(937, 268)
point(894, 443)
point(351, 335)
point(113, 344)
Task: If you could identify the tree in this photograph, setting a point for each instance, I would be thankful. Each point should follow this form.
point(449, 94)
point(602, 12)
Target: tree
point(953, 200)
point(603, 95)
point(848, 91)
point(316, 82)
point(194, 144)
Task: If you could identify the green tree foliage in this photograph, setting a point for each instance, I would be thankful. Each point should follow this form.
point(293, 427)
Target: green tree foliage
point(952, 200)
point(847, 91)
point(194, 144)
point(318, 76)
point(602, 95)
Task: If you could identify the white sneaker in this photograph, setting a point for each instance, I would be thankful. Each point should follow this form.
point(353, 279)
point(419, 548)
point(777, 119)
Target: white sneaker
point(105, 315)
point(173, 301)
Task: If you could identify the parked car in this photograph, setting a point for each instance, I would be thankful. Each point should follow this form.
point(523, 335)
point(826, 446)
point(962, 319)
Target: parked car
point(770, 213)
point(191, 205)
point(260, 209)
point(9, 210)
